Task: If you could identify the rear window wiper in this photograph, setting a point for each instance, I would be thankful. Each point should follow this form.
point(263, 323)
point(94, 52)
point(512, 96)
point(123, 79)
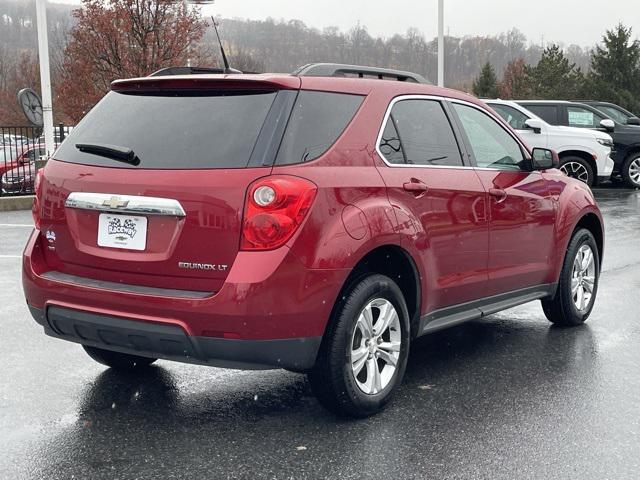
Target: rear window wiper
point(114, 152)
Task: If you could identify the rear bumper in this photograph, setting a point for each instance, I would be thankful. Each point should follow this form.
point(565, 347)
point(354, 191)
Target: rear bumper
point(169, 342)
point(271, 312)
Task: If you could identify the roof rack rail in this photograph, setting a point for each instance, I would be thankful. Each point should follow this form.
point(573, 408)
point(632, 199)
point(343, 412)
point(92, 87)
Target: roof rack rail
point(190, 71)
point(340, 70)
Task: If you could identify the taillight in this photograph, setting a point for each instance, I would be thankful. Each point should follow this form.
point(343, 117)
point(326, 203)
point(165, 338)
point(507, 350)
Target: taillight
point(274, 208)
point(37, 187)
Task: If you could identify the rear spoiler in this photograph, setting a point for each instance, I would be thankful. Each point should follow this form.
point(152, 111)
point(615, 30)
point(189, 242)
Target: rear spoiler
point(207, 81)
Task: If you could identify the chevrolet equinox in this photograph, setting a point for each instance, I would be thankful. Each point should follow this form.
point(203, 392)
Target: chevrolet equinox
point(316, 222)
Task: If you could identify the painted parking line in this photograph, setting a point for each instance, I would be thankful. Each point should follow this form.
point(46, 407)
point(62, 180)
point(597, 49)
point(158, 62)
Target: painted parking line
point(16, 225)
point(10, 256)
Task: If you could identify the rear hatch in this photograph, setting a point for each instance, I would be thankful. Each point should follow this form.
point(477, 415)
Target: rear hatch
point(149, 188)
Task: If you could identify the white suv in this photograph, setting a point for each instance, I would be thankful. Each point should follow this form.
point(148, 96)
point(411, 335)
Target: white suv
point(584, 154)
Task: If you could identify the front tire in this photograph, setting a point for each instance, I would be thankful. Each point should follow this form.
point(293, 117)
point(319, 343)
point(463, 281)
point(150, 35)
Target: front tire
point(363, 356)
point(578, 284)
point(631, 171)
point(117, 360)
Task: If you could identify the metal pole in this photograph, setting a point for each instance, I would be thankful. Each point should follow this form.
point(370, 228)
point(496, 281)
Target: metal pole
point(185, 3)
point(441, 43)
point(45, 77)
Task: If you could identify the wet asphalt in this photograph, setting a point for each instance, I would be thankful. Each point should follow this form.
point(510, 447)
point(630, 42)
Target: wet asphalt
point(507, 397)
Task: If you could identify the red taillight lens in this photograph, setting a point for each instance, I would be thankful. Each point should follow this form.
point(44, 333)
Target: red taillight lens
point(275, 207)
point(37, 187)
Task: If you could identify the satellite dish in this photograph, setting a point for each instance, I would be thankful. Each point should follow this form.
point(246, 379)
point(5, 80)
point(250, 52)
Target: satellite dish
point(31, 105)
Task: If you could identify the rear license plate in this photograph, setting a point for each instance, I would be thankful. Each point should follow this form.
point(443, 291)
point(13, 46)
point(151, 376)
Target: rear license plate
point(122, 231)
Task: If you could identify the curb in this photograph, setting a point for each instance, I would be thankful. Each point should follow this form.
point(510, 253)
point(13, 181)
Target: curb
point(8, 204)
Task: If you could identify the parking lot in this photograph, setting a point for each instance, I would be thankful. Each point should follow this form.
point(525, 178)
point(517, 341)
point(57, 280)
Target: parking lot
point(505, 397)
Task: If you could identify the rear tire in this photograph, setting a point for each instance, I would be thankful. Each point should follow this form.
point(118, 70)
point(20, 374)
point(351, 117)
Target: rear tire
point(578, 284)
point(117, 360)
point(578, 168)
point(631, 171)
point(364, 353)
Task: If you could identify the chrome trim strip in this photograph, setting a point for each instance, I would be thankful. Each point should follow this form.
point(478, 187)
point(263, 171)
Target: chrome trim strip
point(438, 99)
point(136, 205)
point(123, 287)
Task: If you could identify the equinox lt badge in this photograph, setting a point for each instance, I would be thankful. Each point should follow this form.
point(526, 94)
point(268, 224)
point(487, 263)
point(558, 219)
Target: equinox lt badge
point(202, 266)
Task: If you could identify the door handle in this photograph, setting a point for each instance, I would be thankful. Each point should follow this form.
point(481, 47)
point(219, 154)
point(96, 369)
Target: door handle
point(499, 194)
point(416, 187)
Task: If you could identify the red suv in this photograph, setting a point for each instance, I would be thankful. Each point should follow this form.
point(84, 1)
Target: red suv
point(316, 222)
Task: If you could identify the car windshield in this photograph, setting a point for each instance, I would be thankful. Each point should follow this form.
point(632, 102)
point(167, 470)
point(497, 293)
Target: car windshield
point(615, 113)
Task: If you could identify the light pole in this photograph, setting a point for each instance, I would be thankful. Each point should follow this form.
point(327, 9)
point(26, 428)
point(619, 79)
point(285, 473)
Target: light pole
point(186, 4)
point(441, 43)
point(45, 76)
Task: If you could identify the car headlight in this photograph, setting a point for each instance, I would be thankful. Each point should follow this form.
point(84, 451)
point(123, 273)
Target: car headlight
point(605, 141)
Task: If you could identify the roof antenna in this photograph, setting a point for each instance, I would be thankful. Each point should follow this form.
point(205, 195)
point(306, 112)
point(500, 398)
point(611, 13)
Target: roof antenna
point(227, 69)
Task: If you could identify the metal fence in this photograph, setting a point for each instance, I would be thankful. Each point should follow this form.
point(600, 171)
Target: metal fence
point(20, 148)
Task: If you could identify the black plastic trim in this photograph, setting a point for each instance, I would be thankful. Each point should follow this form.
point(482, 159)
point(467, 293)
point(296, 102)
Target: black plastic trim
point(170, 342)
point(457, 314)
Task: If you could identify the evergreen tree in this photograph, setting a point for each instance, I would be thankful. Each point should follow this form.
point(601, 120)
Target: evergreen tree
point(615, 70)
point(486, 84)
point(554, 77)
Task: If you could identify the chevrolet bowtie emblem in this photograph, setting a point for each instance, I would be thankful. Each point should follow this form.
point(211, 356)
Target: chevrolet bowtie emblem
point(115, 202)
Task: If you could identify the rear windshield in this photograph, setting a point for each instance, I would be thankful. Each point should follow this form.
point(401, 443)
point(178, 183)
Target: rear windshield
point(173, 131)
point(215, 130)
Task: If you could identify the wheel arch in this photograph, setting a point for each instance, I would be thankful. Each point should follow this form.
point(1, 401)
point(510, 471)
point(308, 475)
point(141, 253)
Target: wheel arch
point(586, 156)
point(396, 263)
point(590, 221)
point(633, 150)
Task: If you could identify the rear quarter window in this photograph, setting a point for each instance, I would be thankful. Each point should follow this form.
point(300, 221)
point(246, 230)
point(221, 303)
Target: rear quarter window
point(316, 122)
point(549, 113)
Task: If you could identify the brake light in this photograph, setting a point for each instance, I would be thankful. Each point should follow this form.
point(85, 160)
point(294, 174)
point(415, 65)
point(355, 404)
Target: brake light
point(37, 202)
point(274, 209)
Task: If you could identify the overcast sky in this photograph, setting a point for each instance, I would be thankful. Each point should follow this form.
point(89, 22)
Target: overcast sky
point(582, 22)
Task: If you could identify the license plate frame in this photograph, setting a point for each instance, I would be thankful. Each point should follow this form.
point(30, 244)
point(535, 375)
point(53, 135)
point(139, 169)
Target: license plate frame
point(128, 232)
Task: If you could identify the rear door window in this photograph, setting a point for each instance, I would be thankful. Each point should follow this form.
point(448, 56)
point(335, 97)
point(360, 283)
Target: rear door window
point(418, 132)
point(178, 130)
point(390, 145)
point(583, 117)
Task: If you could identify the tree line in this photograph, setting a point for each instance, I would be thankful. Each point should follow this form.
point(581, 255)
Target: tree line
point(613, 74)
point(102, 40)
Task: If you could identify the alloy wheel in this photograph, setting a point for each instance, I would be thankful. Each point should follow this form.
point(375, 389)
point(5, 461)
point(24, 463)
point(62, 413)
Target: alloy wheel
point(575, 170)
point(583, 278)
point(375, 346)
point(634, 171)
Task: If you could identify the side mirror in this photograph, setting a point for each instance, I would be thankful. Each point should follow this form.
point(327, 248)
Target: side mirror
point(608, 124)
point(544, 159)
point(534, 124)
point(633, 121)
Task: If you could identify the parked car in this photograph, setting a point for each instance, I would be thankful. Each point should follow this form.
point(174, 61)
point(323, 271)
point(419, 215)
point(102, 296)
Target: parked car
point(309, 221)
point(613, 111)
point(626, 138)
point(24, 156)
point(19, 180)
point(584, 154)
point(12, 139)
point(57, 136)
